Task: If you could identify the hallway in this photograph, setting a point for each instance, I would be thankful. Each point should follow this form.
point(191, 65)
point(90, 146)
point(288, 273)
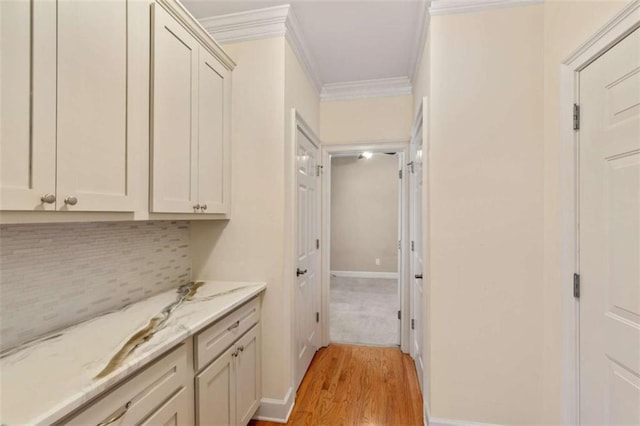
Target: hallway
point(355, 385)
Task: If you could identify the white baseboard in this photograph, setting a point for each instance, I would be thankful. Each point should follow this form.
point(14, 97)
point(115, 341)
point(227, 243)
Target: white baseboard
point(365, 274)
point(449, 422)
point(276, 410)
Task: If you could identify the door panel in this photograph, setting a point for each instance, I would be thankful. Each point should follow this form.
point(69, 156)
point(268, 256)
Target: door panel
point(27, 124)
point(216, 392)
point(92, 143)
point(609, 236)
point(213, 187)
point(174, 149)
point(307, 293)
point(248, 376)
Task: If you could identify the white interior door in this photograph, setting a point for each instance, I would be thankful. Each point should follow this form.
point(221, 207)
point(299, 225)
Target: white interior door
point(609, 237)
point(307, 293)
point(416, 254)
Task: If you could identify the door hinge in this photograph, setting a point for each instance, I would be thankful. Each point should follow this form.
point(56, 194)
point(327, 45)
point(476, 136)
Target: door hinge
point(317, 316)
point(399, 314)
point(576, 117)
point(400, 173)
point(576, 286)
point(317, 244)
point(412, 246)
point(413, 324)
point(318, 170)
point(410, 164)
point(399, 245)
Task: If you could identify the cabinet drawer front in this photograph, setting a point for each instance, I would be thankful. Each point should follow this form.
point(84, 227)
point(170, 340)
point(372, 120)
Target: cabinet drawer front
point(176, 411)
point(214, 340)
point(144, 393)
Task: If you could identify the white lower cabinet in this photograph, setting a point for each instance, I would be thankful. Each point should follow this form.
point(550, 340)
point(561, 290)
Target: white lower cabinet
point(228, 390)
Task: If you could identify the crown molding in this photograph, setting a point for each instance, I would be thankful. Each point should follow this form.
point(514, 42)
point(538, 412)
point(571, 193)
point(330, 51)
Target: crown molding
point(395, 86)
point(424, 18)
point(277, 21)
point(447, 7)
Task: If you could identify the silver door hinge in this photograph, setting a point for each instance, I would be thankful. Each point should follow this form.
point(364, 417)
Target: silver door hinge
point(413, 324)
point(576, 286)
point(399, 315)
point(412, 246)
point(399, 245)
point(400, 173)
point(317, 244)
point(317, 316)
point(410, 164)
point(318, 170)
point(576, 117)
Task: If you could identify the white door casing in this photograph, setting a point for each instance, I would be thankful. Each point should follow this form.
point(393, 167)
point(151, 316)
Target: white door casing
point(307, 287)
point(416, 268)
point(609, 236)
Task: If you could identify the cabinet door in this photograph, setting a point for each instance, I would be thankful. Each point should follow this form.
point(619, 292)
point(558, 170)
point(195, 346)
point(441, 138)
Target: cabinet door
point(177, 411)
point(248, 382)
point(213, 134)
point(216, 392)
point(28, 104)
point(174, 93)
point(93, 147)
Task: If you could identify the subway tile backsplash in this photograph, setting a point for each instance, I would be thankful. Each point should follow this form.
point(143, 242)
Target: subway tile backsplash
point(55, 275)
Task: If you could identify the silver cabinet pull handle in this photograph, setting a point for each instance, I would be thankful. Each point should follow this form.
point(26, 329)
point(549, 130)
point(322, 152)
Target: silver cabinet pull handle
point(196, 207)
point(204, 207)
point(241, 348)
point(234, 325)
point(71, 201)
point(48, 198)
point(117, 415)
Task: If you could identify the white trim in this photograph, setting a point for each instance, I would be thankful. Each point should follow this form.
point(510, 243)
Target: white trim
point(615, 30)
point(449, 422)
point(276, 21)
point(448, 7)
point(424, 19)
point(365, 274)
point(395, 86)
point(276, 410)
point(357, 147)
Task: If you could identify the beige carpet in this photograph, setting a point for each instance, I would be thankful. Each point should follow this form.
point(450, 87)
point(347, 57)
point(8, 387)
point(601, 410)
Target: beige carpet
point(364, 311)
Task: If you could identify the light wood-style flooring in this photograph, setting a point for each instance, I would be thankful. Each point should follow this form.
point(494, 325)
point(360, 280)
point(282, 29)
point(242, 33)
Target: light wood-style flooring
point(357, 385)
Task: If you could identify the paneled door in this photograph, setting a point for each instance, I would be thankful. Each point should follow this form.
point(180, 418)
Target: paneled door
point(416, 256)
point(307, 289)
point(174, 129)
point(28, 110)
point(609, 236)
point(93, 145)
point(213, 135)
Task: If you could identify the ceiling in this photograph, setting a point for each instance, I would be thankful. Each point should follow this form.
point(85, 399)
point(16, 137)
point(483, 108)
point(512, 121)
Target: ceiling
point(348, 40)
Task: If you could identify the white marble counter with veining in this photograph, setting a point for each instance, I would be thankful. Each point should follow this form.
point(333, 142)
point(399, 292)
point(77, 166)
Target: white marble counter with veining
point(44, 380)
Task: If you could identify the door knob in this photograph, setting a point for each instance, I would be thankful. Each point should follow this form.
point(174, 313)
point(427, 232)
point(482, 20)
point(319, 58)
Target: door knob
point(48, 198)
point(418, 276)
point(300, 272)
point(71, 201)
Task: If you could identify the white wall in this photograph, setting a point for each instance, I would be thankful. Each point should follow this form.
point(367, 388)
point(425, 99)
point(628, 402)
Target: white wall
point(364, 213)
point(383, 119)
point(486, 87)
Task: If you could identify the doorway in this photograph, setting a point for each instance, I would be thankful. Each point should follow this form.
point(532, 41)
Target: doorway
point(364, 260)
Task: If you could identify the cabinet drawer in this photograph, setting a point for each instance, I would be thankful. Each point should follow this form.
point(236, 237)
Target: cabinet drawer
point(217, 338)
point(142, 395)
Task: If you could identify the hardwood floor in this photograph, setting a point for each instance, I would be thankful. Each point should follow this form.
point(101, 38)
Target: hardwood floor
point(357, 385)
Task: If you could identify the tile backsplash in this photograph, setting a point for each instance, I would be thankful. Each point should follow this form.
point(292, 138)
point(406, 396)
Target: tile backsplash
point(55, 275)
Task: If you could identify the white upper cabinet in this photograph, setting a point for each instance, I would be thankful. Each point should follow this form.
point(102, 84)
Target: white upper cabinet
point(191, 104)
point(92, 138)
point(28, 110)
point(71, 107)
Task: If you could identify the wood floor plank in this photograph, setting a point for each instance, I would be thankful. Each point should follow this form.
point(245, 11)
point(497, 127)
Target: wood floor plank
point(357, 385)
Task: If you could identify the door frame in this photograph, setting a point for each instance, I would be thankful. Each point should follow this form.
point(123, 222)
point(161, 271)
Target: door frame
point(325, 234)
point(621, 25)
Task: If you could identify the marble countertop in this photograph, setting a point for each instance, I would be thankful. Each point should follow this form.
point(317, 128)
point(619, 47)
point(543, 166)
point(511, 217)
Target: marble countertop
point(44, 380)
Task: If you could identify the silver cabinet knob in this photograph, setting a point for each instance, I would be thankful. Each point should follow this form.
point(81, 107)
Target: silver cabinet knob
point(48, 198)
point(196, 207)
point(204, 207)
point(71, 201)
